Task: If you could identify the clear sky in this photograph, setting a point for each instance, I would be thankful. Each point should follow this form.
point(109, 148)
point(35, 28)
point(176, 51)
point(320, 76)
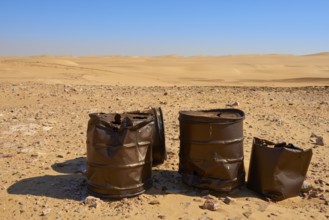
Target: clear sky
point(160, 27)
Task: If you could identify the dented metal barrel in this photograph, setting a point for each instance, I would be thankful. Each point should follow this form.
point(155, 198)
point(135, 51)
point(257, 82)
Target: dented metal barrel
point(211, 148)
point(119, 154)
point(277, 170)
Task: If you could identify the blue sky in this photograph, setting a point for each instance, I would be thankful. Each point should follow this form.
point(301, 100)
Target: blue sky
point(160, 27)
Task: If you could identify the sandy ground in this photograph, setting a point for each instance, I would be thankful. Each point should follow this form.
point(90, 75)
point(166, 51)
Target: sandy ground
point(44, 109)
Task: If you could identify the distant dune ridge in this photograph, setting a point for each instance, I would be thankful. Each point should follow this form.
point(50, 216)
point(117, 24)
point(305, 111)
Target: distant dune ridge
point(270, 70)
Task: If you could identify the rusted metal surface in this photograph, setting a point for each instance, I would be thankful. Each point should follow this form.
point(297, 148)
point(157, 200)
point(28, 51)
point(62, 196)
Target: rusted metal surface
point(277, 171)
point(119, 154)
point(211, 148)
point(159, 153)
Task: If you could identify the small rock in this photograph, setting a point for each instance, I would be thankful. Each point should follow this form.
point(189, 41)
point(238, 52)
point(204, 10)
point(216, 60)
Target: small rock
point(67, 208)
point(81, 169)
point(119, 98)
point(154, 202)
point(26, 150)
point(60, 156)
point(321, 197)
point(93, 202)
point(161, 216)
point(247, 214)
point(319, 141)
point(320, 181)
point(313, 194)
point(205, 218)
point(21, 208)
point(232, 104)
point(79, 210)
point(6, 155)
point(211, 205)
point(313, 135)
point(228, 200)
point(45, 212)
point(306, 187)
point(316, 139)
point(165, 93)
point(47, 128)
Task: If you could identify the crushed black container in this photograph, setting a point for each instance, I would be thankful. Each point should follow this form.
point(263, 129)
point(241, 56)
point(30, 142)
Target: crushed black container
point(211, 149)
point(159, 152)
point(119, 154)
point(277, 170)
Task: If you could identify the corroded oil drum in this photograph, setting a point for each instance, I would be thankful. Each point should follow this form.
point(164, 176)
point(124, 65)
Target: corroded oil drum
point(211, 148)
point(119, 154)
point(277, 170)
point(159, 153)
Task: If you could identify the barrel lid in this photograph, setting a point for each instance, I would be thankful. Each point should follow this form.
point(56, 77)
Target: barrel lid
point(159, 150)
point(215, 115)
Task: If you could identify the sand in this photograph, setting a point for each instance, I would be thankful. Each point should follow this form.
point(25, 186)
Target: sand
point(44, 109)
point(246, 70)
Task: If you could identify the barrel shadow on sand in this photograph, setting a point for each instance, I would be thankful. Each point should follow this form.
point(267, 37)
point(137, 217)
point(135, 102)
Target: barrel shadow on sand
point(71, 186)
point(170, 182)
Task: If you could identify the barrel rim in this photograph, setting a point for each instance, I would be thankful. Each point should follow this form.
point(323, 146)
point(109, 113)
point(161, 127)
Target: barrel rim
point(197, 114)
point(108, 120)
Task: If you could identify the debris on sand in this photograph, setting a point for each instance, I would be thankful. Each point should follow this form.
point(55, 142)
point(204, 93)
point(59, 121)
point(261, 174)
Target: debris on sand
point(210, 204)
point(232, 104)
point(228, 200)
point(154, 202)
point(93, 202)
point(45, 212)
point(306, 187)
point(317, 139)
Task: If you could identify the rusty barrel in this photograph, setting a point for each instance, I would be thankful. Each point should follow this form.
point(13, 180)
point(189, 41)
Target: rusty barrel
point(211, 148)
point(119, 154)
point(159, 152)
point(277, 170)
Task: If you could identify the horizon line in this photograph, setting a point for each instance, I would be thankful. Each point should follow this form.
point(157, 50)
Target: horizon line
point(168, 55)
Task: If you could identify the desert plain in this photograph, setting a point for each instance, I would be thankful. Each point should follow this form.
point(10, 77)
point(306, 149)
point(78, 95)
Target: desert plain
point(45, 102)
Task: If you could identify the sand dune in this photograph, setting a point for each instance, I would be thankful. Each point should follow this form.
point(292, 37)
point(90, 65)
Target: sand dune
point(273, 70)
